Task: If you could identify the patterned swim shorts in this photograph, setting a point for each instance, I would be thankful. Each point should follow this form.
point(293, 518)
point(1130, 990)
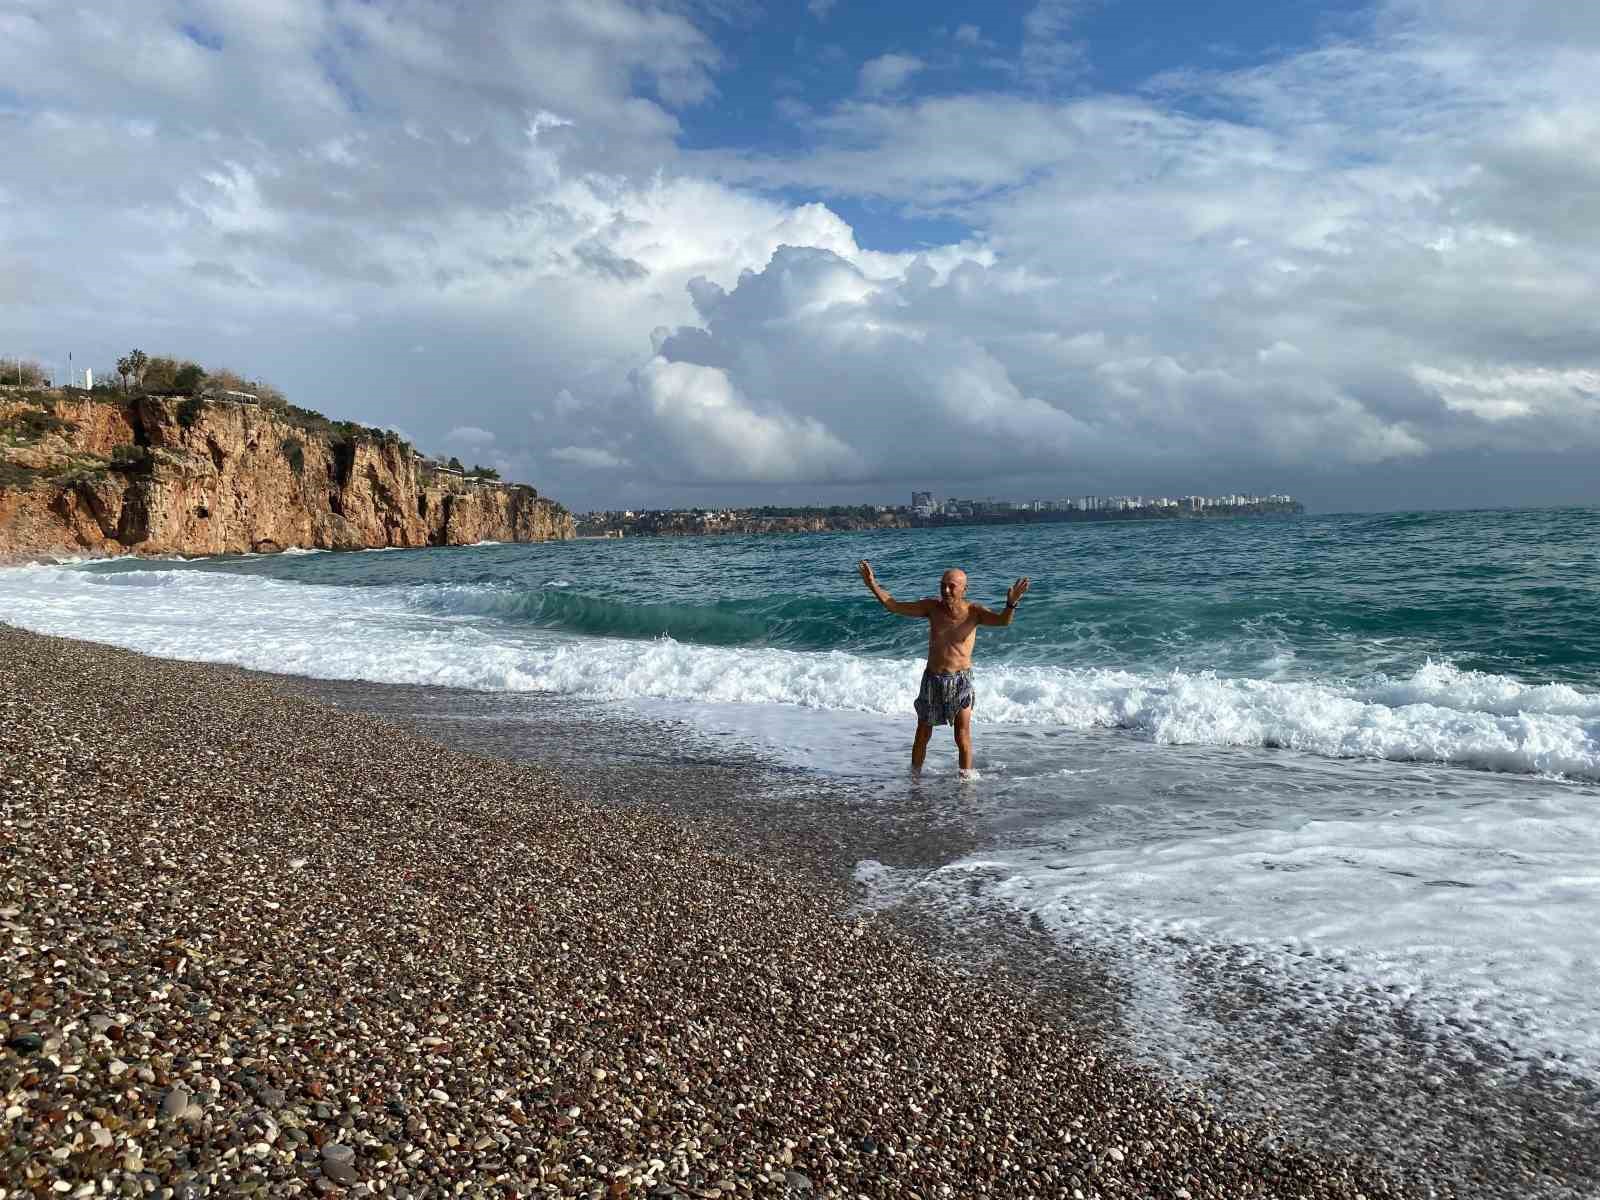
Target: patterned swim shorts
point(943, 696)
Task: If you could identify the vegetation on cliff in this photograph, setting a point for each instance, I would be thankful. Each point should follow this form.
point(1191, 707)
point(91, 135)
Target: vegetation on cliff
point(29, 426)
point(171, 458)
point(140, 375)
point(17, 372)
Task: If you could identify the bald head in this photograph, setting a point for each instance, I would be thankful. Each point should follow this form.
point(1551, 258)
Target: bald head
point(953, 584)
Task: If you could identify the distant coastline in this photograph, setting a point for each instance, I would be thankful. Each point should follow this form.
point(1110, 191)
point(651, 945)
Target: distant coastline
point(843, 518)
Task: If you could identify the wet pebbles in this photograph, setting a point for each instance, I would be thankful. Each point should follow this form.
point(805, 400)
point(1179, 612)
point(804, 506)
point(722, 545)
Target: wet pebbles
point(251, 945)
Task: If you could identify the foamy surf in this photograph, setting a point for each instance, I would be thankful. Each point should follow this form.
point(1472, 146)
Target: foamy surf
point(1476, 926)
point(1438, 713)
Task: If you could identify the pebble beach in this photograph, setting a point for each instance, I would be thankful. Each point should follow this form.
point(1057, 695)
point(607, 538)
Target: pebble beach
point(256, 945)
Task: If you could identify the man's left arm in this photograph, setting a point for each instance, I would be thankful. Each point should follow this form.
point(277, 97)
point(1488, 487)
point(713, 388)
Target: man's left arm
point(987, 616)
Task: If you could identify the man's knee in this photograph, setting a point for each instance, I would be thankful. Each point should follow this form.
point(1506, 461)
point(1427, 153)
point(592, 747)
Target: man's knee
point(924, 732)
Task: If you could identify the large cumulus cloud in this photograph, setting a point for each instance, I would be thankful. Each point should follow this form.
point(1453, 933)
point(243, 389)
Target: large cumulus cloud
point(812, 368)
point(1367, 253)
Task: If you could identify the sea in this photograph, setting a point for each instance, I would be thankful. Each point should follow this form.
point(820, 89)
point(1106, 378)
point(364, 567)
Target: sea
point(1319, 795)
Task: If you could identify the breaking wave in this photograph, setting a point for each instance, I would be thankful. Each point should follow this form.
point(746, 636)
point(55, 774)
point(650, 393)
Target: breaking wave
point(544, 640)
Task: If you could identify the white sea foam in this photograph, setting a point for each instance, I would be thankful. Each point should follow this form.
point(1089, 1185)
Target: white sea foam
point(1476, 910)
point(1437, 714)
point(137, 579)
point(1476, 920)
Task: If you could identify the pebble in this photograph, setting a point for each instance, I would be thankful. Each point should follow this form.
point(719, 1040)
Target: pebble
point(175, 1103)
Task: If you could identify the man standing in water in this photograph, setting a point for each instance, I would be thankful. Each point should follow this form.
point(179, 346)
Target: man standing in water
point(945, 697)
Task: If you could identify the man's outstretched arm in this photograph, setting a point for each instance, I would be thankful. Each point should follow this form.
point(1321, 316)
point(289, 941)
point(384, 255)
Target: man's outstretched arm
point(915, 608)
point(987, 616)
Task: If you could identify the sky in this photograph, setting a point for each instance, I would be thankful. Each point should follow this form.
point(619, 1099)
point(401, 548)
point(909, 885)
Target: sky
point(695, 252)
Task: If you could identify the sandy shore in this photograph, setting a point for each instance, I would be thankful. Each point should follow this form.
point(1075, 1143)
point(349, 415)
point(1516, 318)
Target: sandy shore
point(256, 945)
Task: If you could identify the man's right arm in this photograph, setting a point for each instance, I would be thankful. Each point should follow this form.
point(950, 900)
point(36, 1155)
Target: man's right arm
point(914, 608)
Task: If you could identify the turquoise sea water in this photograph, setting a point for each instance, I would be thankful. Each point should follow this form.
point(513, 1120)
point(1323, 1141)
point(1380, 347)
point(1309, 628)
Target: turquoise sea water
point(1355, 756)
point(1509, 592)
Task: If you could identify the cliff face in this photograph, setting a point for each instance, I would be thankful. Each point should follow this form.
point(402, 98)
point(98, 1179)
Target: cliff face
point(225, 478)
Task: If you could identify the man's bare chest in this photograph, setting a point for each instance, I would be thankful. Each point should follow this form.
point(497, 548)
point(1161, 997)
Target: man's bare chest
point(945, 628)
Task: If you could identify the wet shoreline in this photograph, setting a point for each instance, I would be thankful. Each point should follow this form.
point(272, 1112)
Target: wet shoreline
point(1526, 1132)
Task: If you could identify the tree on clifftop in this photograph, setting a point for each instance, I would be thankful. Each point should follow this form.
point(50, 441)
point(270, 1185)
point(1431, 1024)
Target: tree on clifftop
point(189, 379)
point(23, 374)
point(131, 365)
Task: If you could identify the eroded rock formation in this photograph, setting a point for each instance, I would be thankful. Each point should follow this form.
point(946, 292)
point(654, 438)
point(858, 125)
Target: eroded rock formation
point(160, 475)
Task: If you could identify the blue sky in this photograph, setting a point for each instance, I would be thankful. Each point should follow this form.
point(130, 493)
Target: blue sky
point(643, 252)
point(787, 62)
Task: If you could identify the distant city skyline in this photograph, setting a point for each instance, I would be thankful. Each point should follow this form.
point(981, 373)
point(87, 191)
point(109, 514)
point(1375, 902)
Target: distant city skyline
point(952, 505)
point(928, 504)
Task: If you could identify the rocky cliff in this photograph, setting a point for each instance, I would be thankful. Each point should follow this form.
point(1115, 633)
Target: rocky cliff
point(158, 475)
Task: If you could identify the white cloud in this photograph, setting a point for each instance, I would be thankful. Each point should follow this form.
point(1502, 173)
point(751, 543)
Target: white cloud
point(820, 8)
point(588, 457)
point(1270, 273)
point(470, 435)
point(1498, 392)
point(791, 109)
point(1525, 22)
point(888, 73)
point(1049, 55)
point(896, 385)
point(715, 435)
point(1378, 250)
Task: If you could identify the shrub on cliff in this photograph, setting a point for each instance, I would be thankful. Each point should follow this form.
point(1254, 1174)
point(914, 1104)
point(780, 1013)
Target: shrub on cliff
point(171, 377)
point(190, 410)
point(295, 451)
point(191, 377)
point(18, 478)
point(80, 469)
point(20, 373)
point(224, 380)
point(130, 459)
point(27, 427)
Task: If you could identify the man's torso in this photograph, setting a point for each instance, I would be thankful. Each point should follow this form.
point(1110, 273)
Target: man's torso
point(951, 637)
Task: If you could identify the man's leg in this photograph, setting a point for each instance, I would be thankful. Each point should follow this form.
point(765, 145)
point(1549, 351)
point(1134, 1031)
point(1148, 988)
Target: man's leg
point(919, 745)
point(963, 728)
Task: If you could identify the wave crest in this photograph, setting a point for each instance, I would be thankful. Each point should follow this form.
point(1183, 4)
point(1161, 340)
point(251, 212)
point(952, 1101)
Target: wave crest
point(1437, 713)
